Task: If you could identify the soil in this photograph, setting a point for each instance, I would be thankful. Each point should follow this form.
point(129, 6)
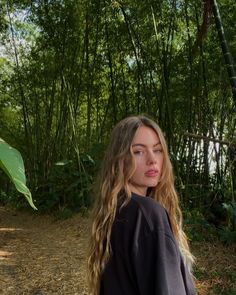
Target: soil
point(40, 255)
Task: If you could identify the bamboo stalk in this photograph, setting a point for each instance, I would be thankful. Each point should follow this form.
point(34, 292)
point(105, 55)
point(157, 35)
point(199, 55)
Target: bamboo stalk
point(206, 138)
point(225, 48)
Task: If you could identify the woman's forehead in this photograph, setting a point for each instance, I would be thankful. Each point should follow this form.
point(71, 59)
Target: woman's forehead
point(145, 136)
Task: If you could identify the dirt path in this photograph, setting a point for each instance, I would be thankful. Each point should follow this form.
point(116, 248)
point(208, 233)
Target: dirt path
point(41, 256)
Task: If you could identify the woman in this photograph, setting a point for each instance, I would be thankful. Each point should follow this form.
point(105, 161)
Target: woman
point(138, 246)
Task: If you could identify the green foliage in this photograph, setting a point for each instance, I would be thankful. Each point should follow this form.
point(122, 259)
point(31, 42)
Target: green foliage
point(68, 188)
point(231, 209)
point(64, 214)
point(197, 227)
point(4, 198)
point(200, 229)
point(12, 164)
point(228, 233)
point(71, 69)
point(227, 236)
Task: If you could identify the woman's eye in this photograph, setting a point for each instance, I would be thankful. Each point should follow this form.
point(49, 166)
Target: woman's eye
point(157, 151)
point(138, 152)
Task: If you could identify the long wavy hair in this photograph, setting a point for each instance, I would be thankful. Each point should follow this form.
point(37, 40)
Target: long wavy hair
point(116, 171)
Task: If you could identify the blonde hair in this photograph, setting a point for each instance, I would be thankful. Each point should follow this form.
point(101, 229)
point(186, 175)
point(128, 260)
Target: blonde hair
point(117, 169)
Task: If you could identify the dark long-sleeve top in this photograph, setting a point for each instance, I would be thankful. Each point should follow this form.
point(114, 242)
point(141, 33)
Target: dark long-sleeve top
point(145, 257)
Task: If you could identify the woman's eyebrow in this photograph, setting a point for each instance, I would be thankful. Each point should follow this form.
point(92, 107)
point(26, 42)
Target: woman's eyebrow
point(143, 145)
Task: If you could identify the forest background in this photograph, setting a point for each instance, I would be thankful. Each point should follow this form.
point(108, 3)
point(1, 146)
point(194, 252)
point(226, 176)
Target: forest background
point(69, 70)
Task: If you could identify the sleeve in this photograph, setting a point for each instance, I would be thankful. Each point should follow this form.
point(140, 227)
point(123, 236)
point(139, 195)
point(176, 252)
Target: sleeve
point(157, 265)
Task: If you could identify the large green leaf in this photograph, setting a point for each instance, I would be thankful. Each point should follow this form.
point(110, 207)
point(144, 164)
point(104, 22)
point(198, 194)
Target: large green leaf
point(12, 164)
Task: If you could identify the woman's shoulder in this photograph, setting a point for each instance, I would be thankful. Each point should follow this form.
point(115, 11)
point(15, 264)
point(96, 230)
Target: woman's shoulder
point(147, 203)
point(146, 210)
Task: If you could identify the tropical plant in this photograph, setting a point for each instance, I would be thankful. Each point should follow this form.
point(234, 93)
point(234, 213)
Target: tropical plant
point(12, 164)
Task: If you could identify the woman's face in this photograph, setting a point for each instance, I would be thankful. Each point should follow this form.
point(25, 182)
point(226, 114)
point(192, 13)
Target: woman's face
point(148, 157)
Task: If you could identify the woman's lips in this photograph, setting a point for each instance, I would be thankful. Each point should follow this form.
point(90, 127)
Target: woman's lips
point(151, 173)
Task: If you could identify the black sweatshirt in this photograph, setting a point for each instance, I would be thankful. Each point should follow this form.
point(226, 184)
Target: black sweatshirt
point(145, 258)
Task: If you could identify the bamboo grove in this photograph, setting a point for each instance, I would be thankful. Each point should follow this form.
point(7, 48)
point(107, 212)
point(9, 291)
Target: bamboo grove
point(71, 69)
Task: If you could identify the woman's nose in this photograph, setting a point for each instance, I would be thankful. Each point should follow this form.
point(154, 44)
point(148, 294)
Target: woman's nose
point(151, 158)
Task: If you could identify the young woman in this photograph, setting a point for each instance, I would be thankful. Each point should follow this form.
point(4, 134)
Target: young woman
point(138, 246)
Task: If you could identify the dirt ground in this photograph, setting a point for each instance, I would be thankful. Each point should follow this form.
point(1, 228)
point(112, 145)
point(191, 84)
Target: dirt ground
point(40, 255)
